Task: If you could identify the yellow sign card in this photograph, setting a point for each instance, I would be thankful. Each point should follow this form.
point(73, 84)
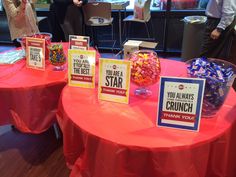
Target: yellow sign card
point(114, 80)
point(81, 68)
point(35, 53)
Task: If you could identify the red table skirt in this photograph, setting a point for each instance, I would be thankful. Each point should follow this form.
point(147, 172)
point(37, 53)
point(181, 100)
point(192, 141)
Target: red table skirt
point(30, 110)
point(213, 159)
point(29, 98)
point(88, 156)
point(105, 139)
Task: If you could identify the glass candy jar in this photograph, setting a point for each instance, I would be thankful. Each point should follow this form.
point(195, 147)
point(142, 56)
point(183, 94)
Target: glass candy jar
point(145, 70)
point(57, 56)
point(219, 76)
point(42, 35)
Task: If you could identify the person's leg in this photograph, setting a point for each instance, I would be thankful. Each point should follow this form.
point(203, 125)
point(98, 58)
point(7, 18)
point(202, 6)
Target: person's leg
point(78, 22)
point(226, 42)
point(57, 32)
point(209, 45)
point(73, 22)
point(217, 48)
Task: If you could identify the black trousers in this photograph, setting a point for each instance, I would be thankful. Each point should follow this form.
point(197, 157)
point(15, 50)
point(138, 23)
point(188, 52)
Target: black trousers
point(65, 19)
point(218, 48)
point(73, 21)
point(56, 18)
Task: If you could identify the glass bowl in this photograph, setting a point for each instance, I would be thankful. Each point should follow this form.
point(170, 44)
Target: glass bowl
point(57, 56)
point(217, 85)
point(41, 35)
point(145, 70)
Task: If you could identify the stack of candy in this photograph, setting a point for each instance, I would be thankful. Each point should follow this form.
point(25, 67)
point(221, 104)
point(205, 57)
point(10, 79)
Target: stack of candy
point(56, 55)
point(219, 77)
point(145, 68)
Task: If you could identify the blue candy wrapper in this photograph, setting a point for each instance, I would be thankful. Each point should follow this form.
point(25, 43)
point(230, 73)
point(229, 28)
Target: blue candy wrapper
point(219, 77)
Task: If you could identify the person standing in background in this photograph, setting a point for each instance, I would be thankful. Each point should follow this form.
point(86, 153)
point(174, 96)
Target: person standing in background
point(66, 18)
point(219, 28)
point(22, 20)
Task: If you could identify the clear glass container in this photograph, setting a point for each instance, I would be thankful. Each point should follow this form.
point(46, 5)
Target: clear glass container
point(145, 70)
point(57, 56)
point(216, 88)
point(42, 35)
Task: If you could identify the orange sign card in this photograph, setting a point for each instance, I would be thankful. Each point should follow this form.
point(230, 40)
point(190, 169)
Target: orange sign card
point(35, 53)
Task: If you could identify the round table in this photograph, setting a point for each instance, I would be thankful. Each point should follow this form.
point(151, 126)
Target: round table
point(28, 97)
point(107, 139)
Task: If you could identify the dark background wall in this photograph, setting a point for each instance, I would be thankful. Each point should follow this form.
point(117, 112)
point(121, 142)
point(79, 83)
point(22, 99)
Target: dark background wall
point(4, 31)
point(167, 28)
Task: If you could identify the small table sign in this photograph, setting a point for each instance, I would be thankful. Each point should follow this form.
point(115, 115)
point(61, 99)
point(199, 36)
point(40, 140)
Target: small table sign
point(114, 80)
point(79, 42)
point(180, 103)
point(81, 68)
point(35, 53)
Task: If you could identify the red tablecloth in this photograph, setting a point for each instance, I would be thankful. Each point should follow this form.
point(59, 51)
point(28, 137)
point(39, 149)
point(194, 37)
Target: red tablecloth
point(106, 139)
point(29, 98)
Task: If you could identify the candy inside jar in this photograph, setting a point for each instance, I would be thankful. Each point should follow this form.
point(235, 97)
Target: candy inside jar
point(219, 76)
point(145, 70)
point(57, 56)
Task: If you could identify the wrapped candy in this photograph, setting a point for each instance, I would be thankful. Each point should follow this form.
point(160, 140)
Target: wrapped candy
point(145, 68)
point(56, 55)
point(219, 77)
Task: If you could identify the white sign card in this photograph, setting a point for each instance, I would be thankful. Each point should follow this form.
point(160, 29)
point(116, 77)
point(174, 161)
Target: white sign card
point(180, 102)
point(79, 42)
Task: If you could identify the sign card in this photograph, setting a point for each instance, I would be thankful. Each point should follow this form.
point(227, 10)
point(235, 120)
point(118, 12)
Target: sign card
point(81, 68)
point(114, 80)
point(180, 102)
point(79, 42)
point(35, 53)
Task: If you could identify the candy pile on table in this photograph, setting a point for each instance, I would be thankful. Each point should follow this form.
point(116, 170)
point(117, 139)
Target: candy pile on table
point(56, 55)
point(219, 77)
point(145, 68)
